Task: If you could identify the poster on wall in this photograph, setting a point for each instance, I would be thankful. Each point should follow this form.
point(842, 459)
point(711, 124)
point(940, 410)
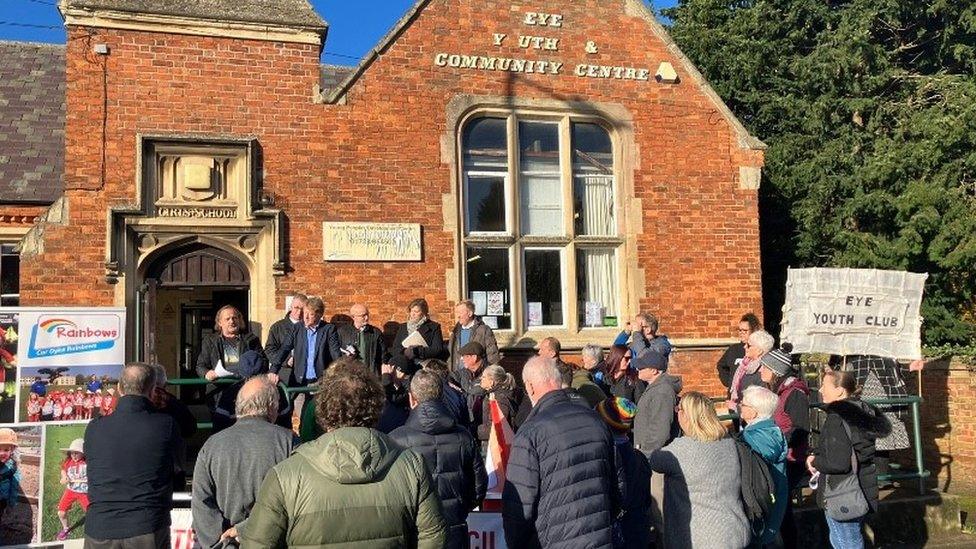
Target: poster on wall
point(8, 363)
point(68, 362)
point(21, 462)
point(854, 312)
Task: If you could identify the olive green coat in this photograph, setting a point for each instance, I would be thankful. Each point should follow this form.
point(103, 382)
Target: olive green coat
point(353, 487)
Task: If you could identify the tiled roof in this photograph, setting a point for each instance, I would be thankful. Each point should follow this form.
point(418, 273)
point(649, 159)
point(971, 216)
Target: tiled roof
point(32, 89)
point(276, 12)
point(333, 75)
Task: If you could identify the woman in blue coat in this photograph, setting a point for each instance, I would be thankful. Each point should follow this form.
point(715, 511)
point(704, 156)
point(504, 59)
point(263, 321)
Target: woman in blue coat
point(763, 436)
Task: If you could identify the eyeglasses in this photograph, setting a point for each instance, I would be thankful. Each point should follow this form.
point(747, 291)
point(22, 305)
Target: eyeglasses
point(628, 357)
point(743, 330)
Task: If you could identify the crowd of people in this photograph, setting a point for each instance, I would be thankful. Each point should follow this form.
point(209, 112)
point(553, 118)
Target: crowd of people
point(608, 453)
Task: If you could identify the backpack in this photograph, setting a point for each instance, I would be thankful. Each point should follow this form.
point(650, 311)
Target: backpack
point(757, 489)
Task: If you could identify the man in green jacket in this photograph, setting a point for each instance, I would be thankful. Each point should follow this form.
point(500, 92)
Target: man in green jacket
point(353, 486)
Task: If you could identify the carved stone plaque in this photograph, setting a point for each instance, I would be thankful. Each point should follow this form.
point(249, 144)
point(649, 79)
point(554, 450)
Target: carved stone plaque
point(354, 241)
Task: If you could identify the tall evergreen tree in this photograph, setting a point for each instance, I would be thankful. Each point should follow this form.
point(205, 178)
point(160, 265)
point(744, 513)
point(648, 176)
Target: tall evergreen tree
point(869, 111)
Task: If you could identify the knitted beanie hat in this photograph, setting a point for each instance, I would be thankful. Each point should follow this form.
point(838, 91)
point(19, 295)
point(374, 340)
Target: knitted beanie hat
point(778, 361)
point(618, 412)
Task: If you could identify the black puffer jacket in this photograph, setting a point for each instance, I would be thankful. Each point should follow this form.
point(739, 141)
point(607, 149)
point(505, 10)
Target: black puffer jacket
point(833, 453)
point(453, 458)
point(562, 480)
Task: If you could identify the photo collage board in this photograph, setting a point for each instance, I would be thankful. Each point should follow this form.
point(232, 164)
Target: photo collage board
point(60, 369)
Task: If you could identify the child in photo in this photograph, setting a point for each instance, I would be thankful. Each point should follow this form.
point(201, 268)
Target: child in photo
point(34, 404)
point(47, 408)
point(67, 407)
point(58, 407)
point(88, 404)
point(108, 402)
point(9, 470)
point(97, 403)
point(74, 476)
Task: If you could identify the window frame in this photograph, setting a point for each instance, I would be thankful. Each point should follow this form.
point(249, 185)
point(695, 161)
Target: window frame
point(568, 243)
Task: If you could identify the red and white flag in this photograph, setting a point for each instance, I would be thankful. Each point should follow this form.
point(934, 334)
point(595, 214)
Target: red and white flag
point(499, 444)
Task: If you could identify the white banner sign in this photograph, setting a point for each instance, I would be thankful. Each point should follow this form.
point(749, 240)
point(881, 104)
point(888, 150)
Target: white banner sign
point(485, 531)
point(854, 312)
point(71, 337)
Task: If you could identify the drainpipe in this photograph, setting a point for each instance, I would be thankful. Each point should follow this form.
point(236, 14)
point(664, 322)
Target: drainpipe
point(140, 335)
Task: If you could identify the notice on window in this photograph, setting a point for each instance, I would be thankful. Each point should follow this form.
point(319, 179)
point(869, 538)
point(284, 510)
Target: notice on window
point(371, 241)
point(496, 304)
point(490, 321)
point(594, 313)
point(480, 300)
point(535, 313)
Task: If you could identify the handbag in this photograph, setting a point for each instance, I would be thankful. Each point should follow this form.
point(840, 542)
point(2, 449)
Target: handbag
point(846, 501)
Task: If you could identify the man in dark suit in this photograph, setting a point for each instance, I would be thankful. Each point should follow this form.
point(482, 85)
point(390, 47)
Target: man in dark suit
point(363, 340)
point(316, 345)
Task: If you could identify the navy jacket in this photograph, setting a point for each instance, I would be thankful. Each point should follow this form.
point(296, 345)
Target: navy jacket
point(562, 486)
point(130, 470)
point(326, 351)
point(453, 458)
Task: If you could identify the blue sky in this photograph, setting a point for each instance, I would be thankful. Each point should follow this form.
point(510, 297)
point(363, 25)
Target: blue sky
point(355, 25)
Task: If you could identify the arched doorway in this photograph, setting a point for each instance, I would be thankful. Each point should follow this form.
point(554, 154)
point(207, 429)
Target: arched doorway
point(184, 287)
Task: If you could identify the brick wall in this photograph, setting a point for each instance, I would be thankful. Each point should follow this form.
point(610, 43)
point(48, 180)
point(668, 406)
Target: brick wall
point(377, 155)
point(948, 425)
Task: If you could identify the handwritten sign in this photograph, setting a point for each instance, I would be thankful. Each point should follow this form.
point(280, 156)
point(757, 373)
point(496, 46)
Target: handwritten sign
point(354, 241)
point(854, 311)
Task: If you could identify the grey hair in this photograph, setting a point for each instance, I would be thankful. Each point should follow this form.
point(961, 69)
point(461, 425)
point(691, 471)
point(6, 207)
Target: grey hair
point(261, 403)
point(426, 385)
point(763, 340)
point(161, 377)
point(593, 351)
point(761, 399)
point(499, 377)
point(138, 378)
point(650, 320)
point(542, 370)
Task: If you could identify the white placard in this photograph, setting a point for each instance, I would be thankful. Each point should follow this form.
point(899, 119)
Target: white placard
point(490, 321)
point(485, 531)
point(535, 313)
point(854, 311)
point(480, 300)
point(496, 304)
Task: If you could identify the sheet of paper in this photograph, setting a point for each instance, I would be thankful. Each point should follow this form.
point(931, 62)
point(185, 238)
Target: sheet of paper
point(535, 313)
point(480, 303)
point(414, 340)
point(594, 313)
point(221, 371)
point(490, 321)
point(496, 304)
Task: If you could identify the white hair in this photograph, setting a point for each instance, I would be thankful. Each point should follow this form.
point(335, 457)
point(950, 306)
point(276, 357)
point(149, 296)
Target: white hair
point(762, 340)
point(542, 370)
point(593, 351)
point(760, 399)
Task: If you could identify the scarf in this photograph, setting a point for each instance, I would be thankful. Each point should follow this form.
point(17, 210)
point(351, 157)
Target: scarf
point(412, 326)
point(745, 367)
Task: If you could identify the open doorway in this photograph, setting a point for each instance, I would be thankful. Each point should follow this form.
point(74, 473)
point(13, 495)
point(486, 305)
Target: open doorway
point(188, 287)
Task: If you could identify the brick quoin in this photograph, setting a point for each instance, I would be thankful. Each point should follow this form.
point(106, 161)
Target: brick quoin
point(376, 155)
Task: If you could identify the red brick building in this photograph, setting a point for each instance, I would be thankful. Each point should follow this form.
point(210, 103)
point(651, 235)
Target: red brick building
point(561, 163)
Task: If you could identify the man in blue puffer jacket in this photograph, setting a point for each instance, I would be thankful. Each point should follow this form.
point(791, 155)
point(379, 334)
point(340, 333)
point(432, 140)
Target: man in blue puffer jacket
point(563, 486)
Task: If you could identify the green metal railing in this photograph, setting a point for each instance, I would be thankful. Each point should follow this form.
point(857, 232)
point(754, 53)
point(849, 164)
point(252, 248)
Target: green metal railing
point(920, 473)
point(292, 392)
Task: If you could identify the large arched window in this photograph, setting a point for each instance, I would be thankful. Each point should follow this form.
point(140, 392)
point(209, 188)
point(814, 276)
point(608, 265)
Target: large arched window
point(539, 222)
